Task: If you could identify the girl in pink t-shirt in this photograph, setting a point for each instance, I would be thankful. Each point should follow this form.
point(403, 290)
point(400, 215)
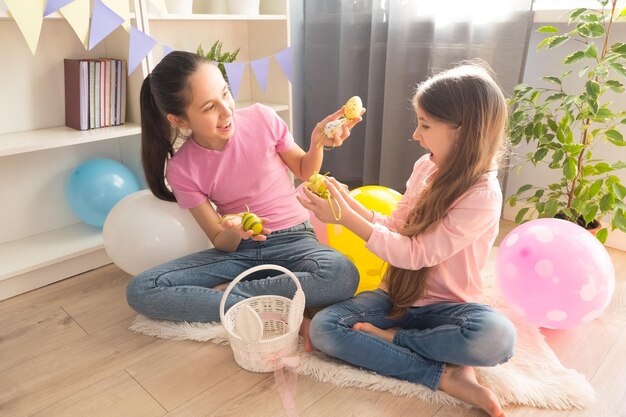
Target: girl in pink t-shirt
point(233, 160)
point(425, 323)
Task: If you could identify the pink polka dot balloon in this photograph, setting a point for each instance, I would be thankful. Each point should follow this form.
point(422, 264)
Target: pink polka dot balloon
point(555, 273)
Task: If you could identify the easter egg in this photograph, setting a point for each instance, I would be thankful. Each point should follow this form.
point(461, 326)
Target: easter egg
point(333, 127)
point(251, 221)
point(353, 107)
point(315, 183)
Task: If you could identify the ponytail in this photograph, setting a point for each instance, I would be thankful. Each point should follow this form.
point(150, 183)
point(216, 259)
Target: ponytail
point(156, 143)
point(164, 91)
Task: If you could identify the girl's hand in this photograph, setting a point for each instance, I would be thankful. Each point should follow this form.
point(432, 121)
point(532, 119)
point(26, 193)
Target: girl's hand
point(319, 139)
point(235, 226)
point(321, 206)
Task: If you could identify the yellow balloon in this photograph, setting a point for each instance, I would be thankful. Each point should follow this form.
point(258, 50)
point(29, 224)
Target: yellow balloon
point(371, 268)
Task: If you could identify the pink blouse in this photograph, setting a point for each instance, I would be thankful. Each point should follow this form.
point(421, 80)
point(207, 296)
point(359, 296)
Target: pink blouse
point(456, 249)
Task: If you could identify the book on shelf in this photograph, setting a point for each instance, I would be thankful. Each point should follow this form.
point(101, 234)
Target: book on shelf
point(95, 93)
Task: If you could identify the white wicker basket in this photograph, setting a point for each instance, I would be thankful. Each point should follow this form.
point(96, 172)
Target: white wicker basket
point(263, 329)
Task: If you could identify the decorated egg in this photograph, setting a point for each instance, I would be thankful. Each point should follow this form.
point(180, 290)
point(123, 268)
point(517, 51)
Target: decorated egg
point(353, 108)
point(333, 127)
point(251, 221)
point(315, 183)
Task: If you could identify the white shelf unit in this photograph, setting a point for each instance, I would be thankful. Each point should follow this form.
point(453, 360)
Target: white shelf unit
point(41, 240)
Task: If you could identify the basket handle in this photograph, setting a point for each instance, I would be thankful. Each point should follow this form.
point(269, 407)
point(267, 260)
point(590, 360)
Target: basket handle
point(248, 272)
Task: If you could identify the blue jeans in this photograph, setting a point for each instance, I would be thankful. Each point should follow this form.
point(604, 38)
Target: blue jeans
point(458, 333)
point(182, 289)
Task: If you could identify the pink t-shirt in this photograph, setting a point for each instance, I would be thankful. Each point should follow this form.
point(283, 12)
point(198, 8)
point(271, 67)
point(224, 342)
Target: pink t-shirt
point(248, 171)
point(457, 248)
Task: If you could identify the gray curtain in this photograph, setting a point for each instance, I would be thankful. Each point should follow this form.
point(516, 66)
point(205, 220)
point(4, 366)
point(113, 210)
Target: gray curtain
point(380, 50)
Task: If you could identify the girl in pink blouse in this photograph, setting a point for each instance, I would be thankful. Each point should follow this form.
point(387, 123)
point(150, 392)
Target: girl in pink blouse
point(425, 322)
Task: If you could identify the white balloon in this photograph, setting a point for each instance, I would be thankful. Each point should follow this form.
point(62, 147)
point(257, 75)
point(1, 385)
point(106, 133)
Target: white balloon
point(141, 232)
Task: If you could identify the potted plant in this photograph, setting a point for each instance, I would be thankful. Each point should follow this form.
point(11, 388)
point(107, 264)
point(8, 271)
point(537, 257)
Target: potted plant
point(216, 55)
point(564, 120)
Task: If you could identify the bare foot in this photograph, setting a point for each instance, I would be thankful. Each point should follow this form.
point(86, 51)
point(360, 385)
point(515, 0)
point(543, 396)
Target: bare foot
point(304, 332)
point(385, 334)
point(460, 382)
point(221, 287)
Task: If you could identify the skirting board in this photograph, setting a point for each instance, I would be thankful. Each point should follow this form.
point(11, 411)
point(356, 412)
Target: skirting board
point(617, 239)
point(41, 277)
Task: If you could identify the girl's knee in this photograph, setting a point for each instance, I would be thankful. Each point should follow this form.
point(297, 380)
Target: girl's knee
point(496, 343)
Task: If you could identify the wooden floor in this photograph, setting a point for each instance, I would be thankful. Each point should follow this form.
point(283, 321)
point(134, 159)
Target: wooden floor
point(65, 350)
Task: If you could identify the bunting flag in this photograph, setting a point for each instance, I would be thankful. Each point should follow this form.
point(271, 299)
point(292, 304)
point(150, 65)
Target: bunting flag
point(54, 5)
point(234, 72)
point(167, 49)
point(28, 15)
point(77, 15)
point(103, 22)
point(122, 9)
point(139, 46)
point(260, 69)
point(284, 60)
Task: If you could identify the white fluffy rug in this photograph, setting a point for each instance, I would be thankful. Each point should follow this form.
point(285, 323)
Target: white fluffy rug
point(533, 377)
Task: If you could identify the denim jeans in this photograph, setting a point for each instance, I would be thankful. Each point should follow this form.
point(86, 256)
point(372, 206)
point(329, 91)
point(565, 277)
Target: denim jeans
point(182, 289)
point(458, 333)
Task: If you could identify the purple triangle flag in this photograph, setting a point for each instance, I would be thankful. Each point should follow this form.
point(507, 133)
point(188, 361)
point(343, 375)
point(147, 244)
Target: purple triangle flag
point(260, 69)
point(103, 22)
point(234, 72)
point(284, 60)
point(139, 46)
point(167, 49)
point(54, 5)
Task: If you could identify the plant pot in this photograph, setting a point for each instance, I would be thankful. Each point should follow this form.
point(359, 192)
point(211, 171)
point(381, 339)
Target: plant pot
point(179, 6)
point(210, 7)
point(593, 227)
point(250, 7)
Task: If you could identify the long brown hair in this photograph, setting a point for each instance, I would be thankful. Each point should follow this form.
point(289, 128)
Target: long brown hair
point(165, 91)
point(467, 97)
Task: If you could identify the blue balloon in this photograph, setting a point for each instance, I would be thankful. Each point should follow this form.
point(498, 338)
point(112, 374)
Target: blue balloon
point(95, 186)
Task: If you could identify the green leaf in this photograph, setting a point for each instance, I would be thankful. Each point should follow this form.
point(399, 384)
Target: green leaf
point(552, 124)
point(540, 154)
point(576, 56)
point(575, 13)
point(545, 42)
point(620, 222)
point(619, 68)
point(602, 235)
point(570, 169)
point(615, 86)
point(547, 29)
point(592, 88)
point(619, 48)
point(524, 188)
point(555, 96)
point(557, 40)
point(520, 215)
point(606, 202)
point(603, 167)
point(591, 51)
point(590, 213)
point(620, 191)
point(619, 165)
point(595, 188)
point(551, 208)
point(615, 137)
point(590, 30)
point(552, 79)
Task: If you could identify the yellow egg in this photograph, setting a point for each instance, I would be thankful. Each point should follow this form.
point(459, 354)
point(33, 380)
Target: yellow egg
point(251, 221)
point(353, 108)
point(315, 183)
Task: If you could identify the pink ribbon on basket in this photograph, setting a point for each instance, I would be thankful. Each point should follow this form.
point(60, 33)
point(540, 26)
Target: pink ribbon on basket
point(286, 384)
